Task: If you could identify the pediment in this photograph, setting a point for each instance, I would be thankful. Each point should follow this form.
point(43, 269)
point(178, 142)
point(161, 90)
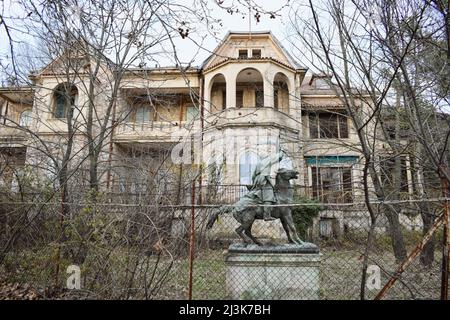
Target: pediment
point(233, 42)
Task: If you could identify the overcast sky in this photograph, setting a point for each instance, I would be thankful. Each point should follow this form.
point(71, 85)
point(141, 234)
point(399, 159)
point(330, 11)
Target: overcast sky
point(236, 22)
point(186, 49)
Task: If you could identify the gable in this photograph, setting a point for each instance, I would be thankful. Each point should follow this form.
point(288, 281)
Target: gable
point(66, 65)
point(75, 59)
point(264, 41)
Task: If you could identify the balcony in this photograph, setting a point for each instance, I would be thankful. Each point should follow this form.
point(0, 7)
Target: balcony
point(262, 116)
point(12, 137)
point(154, 131)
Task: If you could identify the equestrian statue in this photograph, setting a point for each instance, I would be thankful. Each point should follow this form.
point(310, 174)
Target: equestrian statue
point(269, 189)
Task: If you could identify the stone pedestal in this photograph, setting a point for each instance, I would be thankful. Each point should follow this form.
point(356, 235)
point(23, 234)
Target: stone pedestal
point(288, 272)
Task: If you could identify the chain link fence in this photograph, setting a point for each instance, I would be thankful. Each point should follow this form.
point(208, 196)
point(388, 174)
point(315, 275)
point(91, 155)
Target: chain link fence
point(141, 246)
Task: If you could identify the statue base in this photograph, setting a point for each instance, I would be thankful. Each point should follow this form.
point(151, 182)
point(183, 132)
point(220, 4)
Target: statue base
point(287, 272)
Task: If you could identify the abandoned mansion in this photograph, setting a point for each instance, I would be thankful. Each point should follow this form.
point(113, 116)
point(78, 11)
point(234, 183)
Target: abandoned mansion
point(161, 127)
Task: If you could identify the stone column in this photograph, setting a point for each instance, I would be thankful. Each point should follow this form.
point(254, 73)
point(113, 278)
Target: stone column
point(231, 91)
point(207, 95)
point(268, 92)
point(296, 111)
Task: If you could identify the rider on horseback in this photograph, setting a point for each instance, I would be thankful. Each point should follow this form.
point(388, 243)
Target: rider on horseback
point(263, 182)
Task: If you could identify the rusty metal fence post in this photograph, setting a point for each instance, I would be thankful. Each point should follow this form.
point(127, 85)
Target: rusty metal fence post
point(446, 243)
point(192, 239)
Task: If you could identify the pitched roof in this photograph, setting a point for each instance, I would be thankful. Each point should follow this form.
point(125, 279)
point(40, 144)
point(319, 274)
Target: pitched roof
point(294, 63)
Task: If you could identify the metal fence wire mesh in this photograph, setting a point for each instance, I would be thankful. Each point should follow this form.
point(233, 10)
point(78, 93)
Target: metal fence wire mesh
point(142, 248)
point(343, 245)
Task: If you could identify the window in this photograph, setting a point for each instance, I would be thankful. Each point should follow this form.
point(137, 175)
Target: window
point(388, 173)
point(256, 53)
point(322, 84)
point(224, 99)
point(64, 100)
point(275, 99)
point(326, 227)
point(247, 164)
point(192, 113)
point(25, 118)
point(62, 105)
point(239, 98)
point(259, 98)
point(142, 115)
point(332, 184)
point(243, 54)
point(327, 125)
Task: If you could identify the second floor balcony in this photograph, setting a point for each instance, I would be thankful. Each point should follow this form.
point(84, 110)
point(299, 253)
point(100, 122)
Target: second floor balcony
point(154, 131)
point(251, 116)
point(157, 117)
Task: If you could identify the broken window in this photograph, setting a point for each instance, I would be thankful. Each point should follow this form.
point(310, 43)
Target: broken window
point(328, 125)
point(393, 173)
point(332, 184)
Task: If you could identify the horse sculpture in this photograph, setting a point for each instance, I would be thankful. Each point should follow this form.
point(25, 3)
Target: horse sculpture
point(248, 209)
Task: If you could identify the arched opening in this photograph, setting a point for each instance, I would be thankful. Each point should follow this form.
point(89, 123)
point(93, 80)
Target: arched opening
point(65, 96)
point(247, 164)
point(286, 163)
point(218, 93)
point(281, 92)
point(249, 89)
point(25, 118)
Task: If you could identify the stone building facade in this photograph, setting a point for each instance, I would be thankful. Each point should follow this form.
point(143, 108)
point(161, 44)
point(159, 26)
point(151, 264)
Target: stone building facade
point(248, 99)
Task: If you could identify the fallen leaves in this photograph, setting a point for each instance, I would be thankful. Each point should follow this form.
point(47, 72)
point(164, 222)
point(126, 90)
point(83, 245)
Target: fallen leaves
point(16, 291)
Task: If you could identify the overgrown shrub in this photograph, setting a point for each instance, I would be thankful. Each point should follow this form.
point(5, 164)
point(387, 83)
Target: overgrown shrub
point(304, 215)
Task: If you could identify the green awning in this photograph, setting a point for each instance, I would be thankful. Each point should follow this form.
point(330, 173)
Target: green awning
point(331, 160)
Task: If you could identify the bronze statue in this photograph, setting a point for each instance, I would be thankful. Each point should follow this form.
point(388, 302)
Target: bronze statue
point(263, 181)
point(250, 207)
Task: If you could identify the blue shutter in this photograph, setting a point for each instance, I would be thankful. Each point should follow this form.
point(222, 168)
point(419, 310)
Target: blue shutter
point(330, 160)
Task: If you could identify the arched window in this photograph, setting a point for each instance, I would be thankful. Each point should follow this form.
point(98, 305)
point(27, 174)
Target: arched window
point(286, 163)
point(247, 164)
point(64, 99)
point(25, 118)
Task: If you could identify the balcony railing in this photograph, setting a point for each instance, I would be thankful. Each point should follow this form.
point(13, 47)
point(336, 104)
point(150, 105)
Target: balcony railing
point(133, 127)
point(252, 116)
point(9, 131)
point(12, 136)
point(160, 130)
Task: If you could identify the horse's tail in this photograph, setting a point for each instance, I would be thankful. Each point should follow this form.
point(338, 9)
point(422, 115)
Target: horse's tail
point(215, 215)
